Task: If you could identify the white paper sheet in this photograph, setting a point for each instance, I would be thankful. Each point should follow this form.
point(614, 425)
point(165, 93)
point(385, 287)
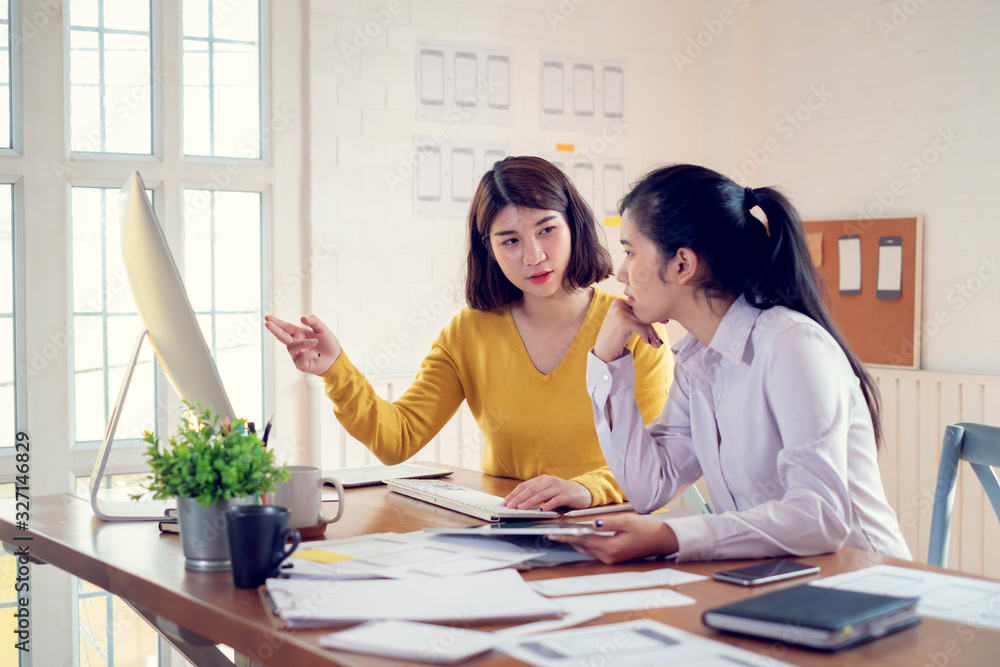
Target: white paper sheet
point(490, 596)
point(890, 268)
point(437, 644)
point(607, 602)
point(567, 621)
point(393, 556)
point(951, 597)
point(850, 264)
point(613, 581)
point(642, 642)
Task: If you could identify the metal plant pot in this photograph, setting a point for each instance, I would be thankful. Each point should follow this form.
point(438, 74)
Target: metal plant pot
point(203, 533)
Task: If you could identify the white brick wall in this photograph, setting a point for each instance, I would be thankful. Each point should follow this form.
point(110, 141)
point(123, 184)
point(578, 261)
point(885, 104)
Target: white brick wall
point(396, 274)
point(891, 96)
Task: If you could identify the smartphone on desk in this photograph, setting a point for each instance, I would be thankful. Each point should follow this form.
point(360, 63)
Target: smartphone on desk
point(765, 573)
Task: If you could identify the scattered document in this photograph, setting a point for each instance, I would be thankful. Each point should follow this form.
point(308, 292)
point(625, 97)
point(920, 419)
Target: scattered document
point(642, 642)
point(614, 581)
point(567, 621)
point(624, 601)
point(393, 556)
point(437, 644)
point(499, 596)
point(945, 596)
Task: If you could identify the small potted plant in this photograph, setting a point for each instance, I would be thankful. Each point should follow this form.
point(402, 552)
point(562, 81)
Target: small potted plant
point(208, 466)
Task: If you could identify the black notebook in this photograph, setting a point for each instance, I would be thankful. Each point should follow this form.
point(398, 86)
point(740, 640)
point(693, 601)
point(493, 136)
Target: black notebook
point(816, 617)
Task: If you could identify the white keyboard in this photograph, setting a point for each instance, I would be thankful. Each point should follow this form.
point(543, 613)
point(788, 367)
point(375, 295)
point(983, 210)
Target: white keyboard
point(467, 501)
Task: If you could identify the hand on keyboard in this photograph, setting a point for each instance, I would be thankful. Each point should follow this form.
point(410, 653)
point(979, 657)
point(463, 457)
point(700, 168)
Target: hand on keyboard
point(548, 492)
point(474, 503)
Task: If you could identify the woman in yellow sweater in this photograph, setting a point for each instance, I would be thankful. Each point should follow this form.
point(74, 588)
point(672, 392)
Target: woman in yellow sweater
point(517, 353)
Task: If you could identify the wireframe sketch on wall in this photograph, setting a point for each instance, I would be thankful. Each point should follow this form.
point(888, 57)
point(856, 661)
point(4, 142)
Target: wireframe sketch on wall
point(464, 83)
point(601, 182)
point(581, 93)
point(446, 173)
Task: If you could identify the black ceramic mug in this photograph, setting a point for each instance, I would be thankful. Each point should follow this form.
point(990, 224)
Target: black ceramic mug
point(257, 536)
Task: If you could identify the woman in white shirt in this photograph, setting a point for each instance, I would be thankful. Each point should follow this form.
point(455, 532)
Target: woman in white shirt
point(769, 403)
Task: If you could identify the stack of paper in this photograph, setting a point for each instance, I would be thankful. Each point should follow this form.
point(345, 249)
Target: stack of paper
point(392, 555)
point(496, 596)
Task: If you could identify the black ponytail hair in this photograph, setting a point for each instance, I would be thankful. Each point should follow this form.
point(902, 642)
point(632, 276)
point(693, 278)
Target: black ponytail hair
point(686, 206)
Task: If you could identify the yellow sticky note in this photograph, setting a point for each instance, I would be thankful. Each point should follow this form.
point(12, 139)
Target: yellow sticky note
point(321, 556)
point(661, 510)
point(814, 241)
point(565, 148)
point(613, 221)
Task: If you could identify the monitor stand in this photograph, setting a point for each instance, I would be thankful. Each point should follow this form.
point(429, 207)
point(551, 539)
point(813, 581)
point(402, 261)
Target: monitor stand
point(122, 510)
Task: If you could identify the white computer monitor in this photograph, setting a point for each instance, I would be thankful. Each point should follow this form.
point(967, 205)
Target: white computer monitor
point(173, 331)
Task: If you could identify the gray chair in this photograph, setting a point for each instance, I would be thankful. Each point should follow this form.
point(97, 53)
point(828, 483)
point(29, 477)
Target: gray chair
point(980, 446)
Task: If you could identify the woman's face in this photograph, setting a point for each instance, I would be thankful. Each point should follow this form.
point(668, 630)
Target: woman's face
point(533, 249)
point(649, 295)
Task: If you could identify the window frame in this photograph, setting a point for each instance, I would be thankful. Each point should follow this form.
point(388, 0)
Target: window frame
point(264, 95)
point(155, 98)
point(20, 345)
point(16, 119)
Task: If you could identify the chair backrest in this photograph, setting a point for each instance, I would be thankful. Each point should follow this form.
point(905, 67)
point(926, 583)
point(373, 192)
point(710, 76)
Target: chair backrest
point(980, 446)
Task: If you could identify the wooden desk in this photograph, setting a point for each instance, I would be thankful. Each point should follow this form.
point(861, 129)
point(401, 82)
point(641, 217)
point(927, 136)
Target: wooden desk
point(146, 569)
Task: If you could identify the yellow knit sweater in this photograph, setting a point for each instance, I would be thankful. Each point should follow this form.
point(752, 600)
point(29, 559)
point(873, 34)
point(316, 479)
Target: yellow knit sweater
point(533, 424)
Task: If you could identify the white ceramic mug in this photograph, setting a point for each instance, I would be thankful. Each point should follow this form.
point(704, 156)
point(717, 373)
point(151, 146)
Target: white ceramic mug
point(302, 494)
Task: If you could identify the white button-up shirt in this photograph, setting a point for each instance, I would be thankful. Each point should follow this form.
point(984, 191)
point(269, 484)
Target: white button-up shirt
point(773, 416)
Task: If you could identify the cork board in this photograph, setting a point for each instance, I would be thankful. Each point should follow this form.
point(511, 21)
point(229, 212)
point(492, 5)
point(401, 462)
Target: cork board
point(882, 326)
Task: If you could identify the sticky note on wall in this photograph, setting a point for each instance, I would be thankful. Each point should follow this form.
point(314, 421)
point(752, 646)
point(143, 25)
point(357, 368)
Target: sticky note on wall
point(814, 241)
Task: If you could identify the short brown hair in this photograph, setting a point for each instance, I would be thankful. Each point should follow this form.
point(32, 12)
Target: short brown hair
point(529, 182)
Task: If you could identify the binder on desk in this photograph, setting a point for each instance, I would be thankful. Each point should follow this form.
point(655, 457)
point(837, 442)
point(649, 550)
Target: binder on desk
point(810, 616)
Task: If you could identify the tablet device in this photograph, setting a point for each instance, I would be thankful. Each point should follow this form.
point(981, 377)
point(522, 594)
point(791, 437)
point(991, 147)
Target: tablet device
point(507, 528)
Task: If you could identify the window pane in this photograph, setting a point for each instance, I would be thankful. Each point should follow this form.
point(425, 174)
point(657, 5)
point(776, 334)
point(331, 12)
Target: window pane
point(6, 251)
point(111, 634)
point(222, 245)
point(110, 77)
point(5, 109)
point(7, 386)
point(222, 78)
point(105, 323)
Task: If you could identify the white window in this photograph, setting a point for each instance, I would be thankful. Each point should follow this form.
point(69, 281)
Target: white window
point(110, 74)
point(105, 323)
point(6, 97)
point(8, 375)
point(222, 249)
point(222, 78)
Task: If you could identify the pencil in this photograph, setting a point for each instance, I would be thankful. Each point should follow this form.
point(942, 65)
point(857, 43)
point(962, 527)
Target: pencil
point(267, 432)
